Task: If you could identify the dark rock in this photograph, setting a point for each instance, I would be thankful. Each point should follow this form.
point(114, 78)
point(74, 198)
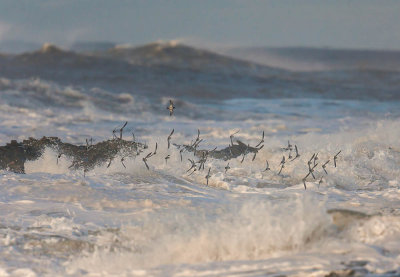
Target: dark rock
point(14, 154)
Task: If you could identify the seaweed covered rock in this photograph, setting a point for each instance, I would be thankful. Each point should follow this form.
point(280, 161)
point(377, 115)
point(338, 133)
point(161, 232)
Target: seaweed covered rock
point(14, 154)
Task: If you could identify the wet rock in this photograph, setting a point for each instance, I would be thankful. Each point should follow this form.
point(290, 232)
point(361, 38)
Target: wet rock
point(14, 154)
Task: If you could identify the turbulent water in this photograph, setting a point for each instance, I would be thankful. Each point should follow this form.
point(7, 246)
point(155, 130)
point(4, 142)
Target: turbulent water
point(125, 220)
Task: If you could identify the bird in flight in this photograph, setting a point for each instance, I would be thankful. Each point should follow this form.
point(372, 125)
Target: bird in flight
point(171, 108)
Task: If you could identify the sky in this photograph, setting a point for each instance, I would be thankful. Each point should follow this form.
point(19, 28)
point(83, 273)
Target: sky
point(366, 24)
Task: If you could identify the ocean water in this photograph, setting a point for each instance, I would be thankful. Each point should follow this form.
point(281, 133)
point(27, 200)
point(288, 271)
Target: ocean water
point(125, 220)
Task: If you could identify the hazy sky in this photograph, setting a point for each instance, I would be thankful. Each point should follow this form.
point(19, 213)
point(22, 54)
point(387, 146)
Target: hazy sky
point(329, 23)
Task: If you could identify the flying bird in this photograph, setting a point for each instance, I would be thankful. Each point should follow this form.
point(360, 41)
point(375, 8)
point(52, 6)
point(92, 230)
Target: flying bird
point(171, 108)
point(320, 182)
point(169, 137)
point(227, 167)
point(193, 165)
point(324, 166)
point(297, 153)
point(335, 157)
point(261, 141)
point(59, 156)
point(122, 161)
point(155, 150)
point(145, 160)
point(208, 175)
point(267, 168)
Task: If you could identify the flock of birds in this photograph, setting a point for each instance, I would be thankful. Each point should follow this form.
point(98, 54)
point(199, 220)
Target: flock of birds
point(293, 154)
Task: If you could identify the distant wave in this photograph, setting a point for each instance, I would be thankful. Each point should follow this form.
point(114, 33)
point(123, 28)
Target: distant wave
point(174, 70)
point(319, 59)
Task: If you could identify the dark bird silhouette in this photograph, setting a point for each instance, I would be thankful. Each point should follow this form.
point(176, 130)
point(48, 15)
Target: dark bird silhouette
point(198, 137)
point(310, 160)
point(320, 182)
point(155, 150)
point(261, 141)
point(282, 167)
point(180, 152)
point(171, 108)
point(255, 153)
point(193, 165)
point(335, 157)
point(208, 175)
point(120, 130)
point(227, 167)
point(194, 170)
point(122, 161)
point(267, 168)
point(88, 145)
point(324, 166)
point(282, 164)
point(289, 147)
point(311, 171)
point(297, 153)
point(169, 137)
point(59, 156)
point(145, 160)
point(315, 158)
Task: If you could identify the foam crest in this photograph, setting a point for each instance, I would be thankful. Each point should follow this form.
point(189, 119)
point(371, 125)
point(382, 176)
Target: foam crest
point(248, 230)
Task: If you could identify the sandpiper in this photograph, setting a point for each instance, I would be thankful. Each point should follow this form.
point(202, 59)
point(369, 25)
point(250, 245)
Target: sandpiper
point(283, 160)
point(227, 167)
point(59, 156)
point(194, 170)
point(171, 108)
point(310, 161)
point(145, 160)
point(208, 175)
point(180, 152)
point(324, 166)
point(304, 182)
point(297, 153)
point(155, 150)
point(267, 168)
point(315, 158)
point(320, 182)
point(261, 141)
point(335, 157)
point(193, 165)
point(282, 167)
point(169, 137)
point(122, 129)
point(289, 147)
point(311, 171)
point(255, 153)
